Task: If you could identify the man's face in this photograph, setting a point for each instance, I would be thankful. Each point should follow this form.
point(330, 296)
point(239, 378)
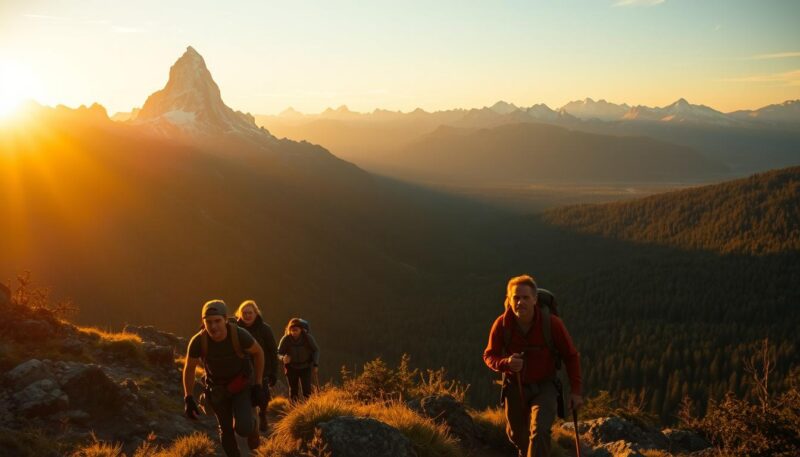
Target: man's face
point(215, 326)
point(248, 315)
point(523, 299)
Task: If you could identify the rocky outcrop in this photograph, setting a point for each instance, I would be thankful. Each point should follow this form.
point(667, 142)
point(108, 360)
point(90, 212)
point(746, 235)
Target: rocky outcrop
point(43, 387)
point(349, 436)
point(618, 437)
point(150, 334)
point(41, 398)
point(449, 411)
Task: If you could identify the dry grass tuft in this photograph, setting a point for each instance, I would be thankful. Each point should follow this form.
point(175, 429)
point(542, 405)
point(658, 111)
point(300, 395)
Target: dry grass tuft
point(120, 344)
point(279, 406)
point(428, 438)
point(99, 449)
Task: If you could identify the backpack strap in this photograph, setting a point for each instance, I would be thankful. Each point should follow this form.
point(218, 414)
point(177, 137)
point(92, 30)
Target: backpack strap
point(234, 331)
point(203, 345)
point(547, 333)
point(234, 339)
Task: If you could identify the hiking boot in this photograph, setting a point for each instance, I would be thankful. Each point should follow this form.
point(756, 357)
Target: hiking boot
point(253, 440)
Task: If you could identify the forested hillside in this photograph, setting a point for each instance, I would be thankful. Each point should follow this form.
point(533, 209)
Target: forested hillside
point(756, 215)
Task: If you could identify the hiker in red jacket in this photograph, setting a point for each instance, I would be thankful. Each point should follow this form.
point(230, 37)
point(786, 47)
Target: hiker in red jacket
point(519, 349)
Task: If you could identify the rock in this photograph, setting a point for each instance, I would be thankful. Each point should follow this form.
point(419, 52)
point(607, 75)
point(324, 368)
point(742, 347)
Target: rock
point(41, 398)
point(349, 436)
point(72, 346)
point(28, 372)
point(684, 441)
point(131, 385)
point(159, 355)
point(33, 330)
point(619, 448)
point(74, 416)
point(90, 389)
point(447, 410)
point(612, 429)
point(153, 335)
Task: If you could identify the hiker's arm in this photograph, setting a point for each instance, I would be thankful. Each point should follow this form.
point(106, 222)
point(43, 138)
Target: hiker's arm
point(258, 361)
point(189, 368)
point(493, 354)
point(569, 354)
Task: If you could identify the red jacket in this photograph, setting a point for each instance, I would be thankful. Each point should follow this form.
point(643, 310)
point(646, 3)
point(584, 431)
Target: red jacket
point(540, 364)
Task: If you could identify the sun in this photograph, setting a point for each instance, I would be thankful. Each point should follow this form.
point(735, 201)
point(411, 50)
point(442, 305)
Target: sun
point(17, 85)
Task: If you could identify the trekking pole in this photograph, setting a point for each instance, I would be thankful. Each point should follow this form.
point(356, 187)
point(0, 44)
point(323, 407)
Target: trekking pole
point(519, 381)
point(577, 439)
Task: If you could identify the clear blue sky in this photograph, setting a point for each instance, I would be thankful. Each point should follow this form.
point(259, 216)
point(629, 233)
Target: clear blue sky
point(268, 55)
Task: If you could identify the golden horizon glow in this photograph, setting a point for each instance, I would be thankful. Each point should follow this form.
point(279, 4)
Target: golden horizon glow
point(18, 84)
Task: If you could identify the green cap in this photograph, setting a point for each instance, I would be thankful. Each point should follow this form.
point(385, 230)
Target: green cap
point(215, 308)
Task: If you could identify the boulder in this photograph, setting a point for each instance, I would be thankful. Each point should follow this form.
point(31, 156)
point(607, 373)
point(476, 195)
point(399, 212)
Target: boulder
point(619, 448)
point(607, 430)
point(33, 330)
point(349, 436)
point(159, 355)
point(41, 398)
point(449, 411)
point(28, 372)
point(90, 389)
point(685, 441)
point(153, 335)
point(72, 345)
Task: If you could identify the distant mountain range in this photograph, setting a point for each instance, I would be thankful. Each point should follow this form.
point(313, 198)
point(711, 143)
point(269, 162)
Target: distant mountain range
point(743, 141)
point(786, 114)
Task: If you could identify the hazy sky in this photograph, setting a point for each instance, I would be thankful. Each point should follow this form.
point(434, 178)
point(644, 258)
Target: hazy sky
point(268, 55)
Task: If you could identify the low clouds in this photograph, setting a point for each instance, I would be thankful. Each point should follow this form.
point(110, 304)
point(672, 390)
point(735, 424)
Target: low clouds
point(777, 55)
point(788, 78)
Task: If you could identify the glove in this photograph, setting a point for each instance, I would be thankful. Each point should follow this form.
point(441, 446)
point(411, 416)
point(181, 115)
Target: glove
point(190, 408)
point(271, 380)
point(257, 395)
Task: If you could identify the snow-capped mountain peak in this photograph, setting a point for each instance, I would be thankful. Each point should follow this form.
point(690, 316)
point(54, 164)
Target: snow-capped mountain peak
point(191, 103)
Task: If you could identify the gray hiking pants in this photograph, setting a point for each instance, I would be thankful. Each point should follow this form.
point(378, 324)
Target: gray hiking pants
point(529, 420)
point(234, 414)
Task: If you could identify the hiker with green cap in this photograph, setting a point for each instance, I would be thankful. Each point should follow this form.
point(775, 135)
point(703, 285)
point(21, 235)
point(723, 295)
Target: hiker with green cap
point(527, 344)
point(233, 386)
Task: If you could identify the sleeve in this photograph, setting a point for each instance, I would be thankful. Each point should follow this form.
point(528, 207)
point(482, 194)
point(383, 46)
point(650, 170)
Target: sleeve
point(493, 354)
point(270, 351)
point(282, 346)
point(570, 355)
point(193, 350)
point(314, 348)
point(246, 340)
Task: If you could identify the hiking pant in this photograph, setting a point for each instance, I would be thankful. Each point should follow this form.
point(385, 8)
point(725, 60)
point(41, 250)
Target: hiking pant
point(529, 421)
point(234, 414)
point(296, 376)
